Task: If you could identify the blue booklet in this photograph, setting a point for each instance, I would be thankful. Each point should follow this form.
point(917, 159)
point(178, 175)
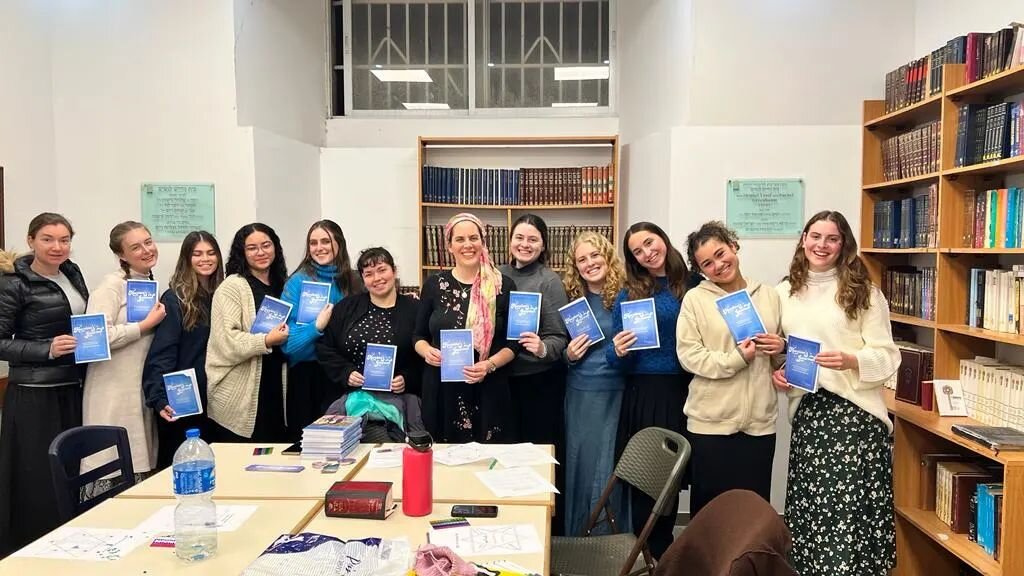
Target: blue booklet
point(523, 313)
point(183, 393)
point(578, 317)
point(141, 299)
point(312, 299)
point(801, 369)
point(456, 354)
point(740, 315)
point(379, 366)
point(272, 313)
point(90, 332)
point(641, 317)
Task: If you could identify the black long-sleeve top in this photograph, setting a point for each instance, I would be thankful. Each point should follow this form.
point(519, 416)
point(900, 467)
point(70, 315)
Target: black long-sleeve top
point(174, 349)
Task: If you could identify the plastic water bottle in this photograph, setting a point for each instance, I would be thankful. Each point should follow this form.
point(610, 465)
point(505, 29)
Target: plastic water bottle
point(195, 516)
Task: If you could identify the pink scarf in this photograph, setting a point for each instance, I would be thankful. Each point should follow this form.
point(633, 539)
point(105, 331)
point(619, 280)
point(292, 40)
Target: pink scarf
point(486, 286)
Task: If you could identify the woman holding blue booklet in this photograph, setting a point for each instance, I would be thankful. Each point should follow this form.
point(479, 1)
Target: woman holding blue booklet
point(839, 498)
point(39, 292)
point(245, 371)
point(180, 340)
point(473, 295)
point(593, 391)
point(113, 389)
point(310, 391)
point(731, 405)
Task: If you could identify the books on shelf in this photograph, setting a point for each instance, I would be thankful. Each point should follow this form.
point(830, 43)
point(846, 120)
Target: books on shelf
point(994, 299)
point(519, 187)
point(988, 132)
point(907, 223)
point(913, 153)
point(910, 291)
point(993, 218)
point(993, 391)
point(559, 240)
point(990, 53)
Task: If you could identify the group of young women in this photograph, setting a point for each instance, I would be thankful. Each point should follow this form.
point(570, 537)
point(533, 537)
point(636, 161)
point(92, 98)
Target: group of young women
point(587, 398)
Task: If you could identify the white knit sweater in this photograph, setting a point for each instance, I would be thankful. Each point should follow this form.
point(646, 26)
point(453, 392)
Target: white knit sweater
point(813, 313)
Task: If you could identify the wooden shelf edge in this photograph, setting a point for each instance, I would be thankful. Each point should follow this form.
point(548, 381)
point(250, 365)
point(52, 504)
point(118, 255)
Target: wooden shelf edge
point(1016, 76)
point(519, 206)
point(515, 140)
point(957, 544)
point(899, 250)
point(1015, 163)
point(908, 111)
point(983, 250)
point(912, 320)
point(991, 335)
point(941, 426)
point(902, 182)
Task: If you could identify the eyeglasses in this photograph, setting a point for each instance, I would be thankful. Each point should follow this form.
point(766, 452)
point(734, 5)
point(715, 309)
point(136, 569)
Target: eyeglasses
point(266, 247)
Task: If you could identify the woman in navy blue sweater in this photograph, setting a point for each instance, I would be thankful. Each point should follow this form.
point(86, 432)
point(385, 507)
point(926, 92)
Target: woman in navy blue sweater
point(180, 340)
point(656, 385)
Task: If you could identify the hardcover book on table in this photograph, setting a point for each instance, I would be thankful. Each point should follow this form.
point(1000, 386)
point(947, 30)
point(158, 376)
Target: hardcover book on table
point(141, 298)
point(456, 354)
point(523, 313)
point(272, 313)
point(313, 297)
point(91, 341)
point(641, 317)
point(182, 390)
point(359, 499)
point(801, 369)
point(379, 367)
point(579, 319)
point(740, 315)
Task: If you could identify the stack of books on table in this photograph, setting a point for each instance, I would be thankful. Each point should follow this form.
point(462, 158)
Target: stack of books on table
point(331, 437)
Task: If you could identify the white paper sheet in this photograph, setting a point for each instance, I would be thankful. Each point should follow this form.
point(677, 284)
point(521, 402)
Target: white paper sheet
point(460, 454)
point(510, 482)
point(92, 544)
point(385, 458)
point(526, 454)
point(498, 540)
point(230, 517)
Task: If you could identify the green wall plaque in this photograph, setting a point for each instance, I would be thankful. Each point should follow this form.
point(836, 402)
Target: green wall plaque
point(765, 208)
point(171, 210)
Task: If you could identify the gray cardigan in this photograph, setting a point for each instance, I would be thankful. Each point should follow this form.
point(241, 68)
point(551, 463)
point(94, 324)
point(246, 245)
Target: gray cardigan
point(537, 277)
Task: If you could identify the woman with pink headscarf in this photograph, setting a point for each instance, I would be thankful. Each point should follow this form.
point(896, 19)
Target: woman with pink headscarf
point(471, 295)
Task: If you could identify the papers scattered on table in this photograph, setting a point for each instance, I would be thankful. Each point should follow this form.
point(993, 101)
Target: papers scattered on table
point(459, 454)
point(229, 518)
point(385, 458)
point(310, 554)
point(526, 454)
point(499, 540)
point(510, 482)
point(92, 544)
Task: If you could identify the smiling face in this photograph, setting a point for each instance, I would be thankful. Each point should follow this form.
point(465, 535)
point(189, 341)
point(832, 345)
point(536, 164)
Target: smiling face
point(466, 244)
point(204, 259)
point(591, 264)
point(718, 261)
point(322, 247)
point(139, 250)
point(379, 279)
point(51, 244)
point(259, 252)
point(527, 244)
point(822, 244)
point(649, 250)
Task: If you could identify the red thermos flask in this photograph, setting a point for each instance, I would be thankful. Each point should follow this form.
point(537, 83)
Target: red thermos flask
point(418, 475)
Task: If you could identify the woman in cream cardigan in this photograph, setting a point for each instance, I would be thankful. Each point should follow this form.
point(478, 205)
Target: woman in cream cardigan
point(246, 381)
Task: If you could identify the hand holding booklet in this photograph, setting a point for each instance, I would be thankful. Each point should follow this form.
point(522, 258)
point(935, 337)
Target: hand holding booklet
point(579, 319)
point(801, 369)
point(312, 299)
point(740, 315)
point(141, 298)
point(456, 354)
point(183, 393)
point(523, 314)
point(379, 367)
point(272, 313)
point(641, 318)
point(91, 342)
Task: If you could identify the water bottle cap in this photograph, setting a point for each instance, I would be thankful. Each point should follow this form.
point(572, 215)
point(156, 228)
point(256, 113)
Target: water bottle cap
point(192, 433)
point(420, 441)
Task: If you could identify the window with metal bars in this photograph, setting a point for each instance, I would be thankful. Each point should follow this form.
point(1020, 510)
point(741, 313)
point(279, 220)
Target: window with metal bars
point(470, 54)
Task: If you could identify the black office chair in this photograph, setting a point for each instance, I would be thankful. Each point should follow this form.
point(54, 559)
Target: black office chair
point(66, 453)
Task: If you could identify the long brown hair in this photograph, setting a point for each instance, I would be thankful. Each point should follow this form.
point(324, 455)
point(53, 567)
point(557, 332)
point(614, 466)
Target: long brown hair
point(854, 291)
point(575, 285)
point(195, 296)
point(117, 234)
point(640, 283)
point(346, 279)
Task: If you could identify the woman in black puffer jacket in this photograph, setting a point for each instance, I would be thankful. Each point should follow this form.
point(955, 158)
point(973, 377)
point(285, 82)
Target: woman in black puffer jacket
point(38, 294)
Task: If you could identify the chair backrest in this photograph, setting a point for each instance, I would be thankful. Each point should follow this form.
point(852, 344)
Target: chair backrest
point(654, 461)
point(66, 453)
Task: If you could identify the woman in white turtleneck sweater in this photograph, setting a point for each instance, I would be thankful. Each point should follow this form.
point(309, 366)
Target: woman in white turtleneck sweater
point(839, 500)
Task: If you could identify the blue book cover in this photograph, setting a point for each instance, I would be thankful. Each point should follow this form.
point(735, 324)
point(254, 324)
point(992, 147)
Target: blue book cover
point(312, 299)
point(801, 369)
point(456, 354)
point(272, 313)
point(640, 317)
point(578, 317)
point(141, 297)
point(740, 315)
point(523, 313)
point(183, 393)
point(379, 367)
point(91, 343)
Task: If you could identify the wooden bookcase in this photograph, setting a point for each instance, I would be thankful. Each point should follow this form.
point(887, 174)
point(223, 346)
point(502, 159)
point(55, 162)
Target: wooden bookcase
point(513, 153)
point(925, 545)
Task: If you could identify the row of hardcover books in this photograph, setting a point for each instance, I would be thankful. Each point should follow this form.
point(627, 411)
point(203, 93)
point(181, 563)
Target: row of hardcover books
point(969, 498)
point(993, 218)
point(910, 291)
point(559, 240)
point(984, 54)
point(906, 223)
point(994, 299)
point(993, 392)
point(913, 153)
point(987, 133)
point(519, 187)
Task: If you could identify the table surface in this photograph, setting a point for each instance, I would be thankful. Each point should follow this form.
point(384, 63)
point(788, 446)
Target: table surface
point(459, 484)
point(235, 550)
point(415, 529)
point(234, 482)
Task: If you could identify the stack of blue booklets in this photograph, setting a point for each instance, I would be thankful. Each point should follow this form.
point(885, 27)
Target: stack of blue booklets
point(456, 354)
point(641, 318)
point(379, 367)
point(331, 437)
point(579, 319)
point(313, 297)
point(141, 298)
point(182, 390)
point(91, 342)
point(740, 315)
point(272, 313)
point(801, 369)
point(523, 313)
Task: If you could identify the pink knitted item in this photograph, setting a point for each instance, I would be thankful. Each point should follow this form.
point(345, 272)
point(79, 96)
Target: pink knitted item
point(434, 560)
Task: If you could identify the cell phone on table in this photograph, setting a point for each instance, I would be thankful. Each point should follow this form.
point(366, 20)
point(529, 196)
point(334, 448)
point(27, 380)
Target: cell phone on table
point(474, 511)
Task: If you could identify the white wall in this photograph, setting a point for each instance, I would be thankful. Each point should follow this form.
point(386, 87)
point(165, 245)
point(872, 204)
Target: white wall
point(287, 189)
point(26, 117)
point(937, 21)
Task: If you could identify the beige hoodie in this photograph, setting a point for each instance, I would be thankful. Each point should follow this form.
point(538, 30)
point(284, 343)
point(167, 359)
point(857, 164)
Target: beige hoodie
point(726, 395)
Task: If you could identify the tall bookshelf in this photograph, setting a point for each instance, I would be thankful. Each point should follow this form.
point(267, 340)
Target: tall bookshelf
point(514, 153)
point(925, 545)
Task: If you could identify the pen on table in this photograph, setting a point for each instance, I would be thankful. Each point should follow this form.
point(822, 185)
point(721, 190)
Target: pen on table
point(493, 462)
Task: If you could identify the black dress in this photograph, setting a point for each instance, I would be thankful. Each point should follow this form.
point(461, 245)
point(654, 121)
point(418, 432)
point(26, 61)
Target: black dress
point(456, 412)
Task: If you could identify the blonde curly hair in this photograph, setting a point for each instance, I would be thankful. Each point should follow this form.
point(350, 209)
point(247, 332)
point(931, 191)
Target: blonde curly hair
point(575, 284)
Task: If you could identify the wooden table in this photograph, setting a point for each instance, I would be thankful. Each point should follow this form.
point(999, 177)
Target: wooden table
point(415, 529)
point(234, 482)
point(235, 550)
point(459, 484)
